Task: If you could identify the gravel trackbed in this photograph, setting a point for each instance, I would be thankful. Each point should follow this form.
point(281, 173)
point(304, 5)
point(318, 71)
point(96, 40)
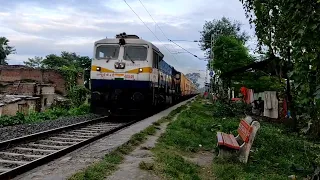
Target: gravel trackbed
point(11, 132)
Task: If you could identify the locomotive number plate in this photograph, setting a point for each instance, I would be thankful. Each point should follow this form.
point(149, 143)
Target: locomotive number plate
point(129, 76)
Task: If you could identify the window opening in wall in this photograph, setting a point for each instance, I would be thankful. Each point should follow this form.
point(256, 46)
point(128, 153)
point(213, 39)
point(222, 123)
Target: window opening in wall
point(45, 102)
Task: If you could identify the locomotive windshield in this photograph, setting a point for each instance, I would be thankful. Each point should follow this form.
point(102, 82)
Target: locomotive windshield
point(135, 53)
point(107, 52)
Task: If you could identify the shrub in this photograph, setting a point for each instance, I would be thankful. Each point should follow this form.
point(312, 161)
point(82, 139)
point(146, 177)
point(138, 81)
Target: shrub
point(50, 114)
point(221, 109)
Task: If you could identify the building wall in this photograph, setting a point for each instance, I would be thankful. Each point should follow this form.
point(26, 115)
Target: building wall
point(47, 96)
point(23, 89)
point(47, 90)
point(10, 109)
point(31, 105)
point(8, 74)
point(46, 101)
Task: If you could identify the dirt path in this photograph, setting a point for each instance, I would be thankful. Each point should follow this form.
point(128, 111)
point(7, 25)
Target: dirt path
point(129, 169)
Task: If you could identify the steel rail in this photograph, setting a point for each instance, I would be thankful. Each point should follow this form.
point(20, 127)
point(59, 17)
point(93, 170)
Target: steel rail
point(7, 143)
point(58, 153)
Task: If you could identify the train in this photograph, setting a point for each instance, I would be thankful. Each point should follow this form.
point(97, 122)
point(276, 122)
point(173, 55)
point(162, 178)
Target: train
point(128, 72)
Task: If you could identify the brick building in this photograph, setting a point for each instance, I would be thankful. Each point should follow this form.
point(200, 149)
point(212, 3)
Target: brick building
point(11, 104)
point(43, 83)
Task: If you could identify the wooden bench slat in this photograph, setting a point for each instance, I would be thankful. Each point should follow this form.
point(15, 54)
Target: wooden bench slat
point(244, 130)
point(227, 140)
point(234, 141)
point(230, 141)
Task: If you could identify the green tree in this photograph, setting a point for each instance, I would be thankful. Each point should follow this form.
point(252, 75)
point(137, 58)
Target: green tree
point(220, 27)
point(5, 50)
point(283, 25)
point(229, 53)
point(66, 59)
point(84, 62)
point(35, 62)
point(53, 61)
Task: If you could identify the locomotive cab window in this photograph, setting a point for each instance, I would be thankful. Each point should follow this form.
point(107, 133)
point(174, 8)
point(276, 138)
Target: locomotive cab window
point(135, 53)
point(107, 52)
point(155, 61)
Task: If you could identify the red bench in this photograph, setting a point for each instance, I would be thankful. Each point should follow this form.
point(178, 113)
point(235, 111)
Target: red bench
point(246, 136)
point(230, 141)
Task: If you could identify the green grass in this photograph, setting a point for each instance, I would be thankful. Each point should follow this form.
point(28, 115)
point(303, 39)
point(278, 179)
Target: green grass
point(183, 137)
point(48, 115)
point(275, 149)
point(109, 164)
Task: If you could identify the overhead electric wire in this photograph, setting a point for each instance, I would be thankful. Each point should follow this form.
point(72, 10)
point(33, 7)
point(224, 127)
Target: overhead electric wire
point(149, 29)
point(164, 33)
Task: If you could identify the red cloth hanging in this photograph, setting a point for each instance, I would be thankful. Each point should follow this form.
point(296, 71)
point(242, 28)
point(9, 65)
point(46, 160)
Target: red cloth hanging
point(244, 92)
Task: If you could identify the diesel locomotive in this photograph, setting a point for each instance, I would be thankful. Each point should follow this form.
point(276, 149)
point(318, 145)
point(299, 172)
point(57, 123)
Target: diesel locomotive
point(128, 72)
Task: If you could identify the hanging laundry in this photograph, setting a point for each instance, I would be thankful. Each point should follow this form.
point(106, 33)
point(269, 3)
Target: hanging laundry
point(250, 96)
point(243, 91)
point(271, 104)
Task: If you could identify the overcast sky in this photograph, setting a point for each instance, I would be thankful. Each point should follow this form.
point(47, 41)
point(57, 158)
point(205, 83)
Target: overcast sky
point(39, 28)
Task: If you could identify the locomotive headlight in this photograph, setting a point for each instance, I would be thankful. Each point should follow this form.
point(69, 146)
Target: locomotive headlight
point(98, 68)
point(121, 65)
point(140, 69)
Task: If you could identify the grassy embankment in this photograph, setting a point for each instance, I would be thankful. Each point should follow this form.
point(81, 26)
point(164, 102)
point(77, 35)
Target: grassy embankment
point(275, 150)
point(110, 163)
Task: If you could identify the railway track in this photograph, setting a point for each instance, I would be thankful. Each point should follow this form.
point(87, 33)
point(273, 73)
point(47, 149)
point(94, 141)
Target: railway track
point(25, 153)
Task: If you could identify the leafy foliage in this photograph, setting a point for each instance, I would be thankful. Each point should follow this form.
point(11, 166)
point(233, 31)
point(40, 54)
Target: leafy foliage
point(52, 61)
point(35, 62)
point(220, 27)
point(78, 95)
point(221, 109)
point(50, 114)
point(229, 53)
point(284, 25)
point(5, 50)
point(258, 81)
